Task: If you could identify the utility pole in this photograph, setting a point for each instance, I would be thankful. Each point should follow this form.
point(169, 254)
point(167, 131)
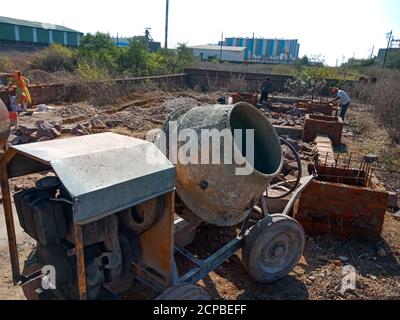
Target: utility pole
point(387, 49)
point(222, 42)
point(166, 24)
point(252, 47)
point(372, 52)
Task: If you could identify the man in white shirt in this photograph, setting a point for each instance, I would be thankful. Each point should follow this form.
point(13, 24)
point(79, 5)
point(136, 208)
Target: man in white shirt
point(344, 101)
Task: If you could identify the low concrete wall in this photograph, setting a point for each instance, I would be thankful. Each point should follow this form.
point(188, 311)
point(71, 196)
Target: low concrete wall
point(50, 93)
point(212, 79)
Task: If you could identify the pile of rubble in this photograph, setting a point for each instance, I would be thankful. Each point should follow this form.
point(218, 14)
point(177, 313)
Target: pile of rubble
point(284, 115)
point(45, 131)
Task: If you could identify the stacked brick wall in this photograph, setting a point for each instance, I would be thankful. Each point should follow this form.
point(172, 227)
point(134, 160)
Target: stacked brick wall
point(323, 125)
point(316, 107)
point(342, 211)
point(245, 97)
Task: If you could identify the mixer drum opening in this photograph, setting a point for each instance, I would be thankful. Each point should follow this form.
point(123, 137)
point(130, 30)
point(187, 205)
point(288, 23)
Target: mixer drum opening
point(267, 148)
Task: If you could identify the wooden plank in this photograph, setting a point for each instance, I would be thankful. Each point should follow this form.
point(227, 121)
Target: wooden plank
point(12, 239)
point(80, 262)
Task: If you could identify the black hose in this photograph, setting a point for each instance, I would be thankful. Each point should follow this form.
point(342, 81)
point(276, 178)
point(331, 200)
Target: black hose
point(300, 170)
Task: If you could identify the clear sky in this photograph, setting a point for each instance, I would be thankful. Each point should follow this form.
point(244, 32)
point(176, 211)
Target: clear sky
point(331, 28)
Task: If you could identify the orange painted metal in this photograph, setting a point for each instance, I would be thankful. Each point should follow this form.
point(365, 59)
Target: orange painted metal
point(157, 246)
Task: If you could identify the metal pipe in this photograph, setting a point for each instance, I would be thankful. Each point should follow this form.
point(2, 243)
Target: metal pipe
point(326, 159)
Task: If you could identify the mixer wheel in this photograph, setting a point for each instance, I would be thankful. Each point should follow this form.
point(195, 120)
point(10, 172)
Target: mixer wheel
point(273, 248)
point(184, 292)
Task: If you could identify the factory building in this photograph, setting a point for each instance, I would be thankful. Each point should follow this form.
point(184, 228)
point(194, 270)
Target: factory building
point(267, 50)
point(29, 35)
point(208, 52)
point(147, 38)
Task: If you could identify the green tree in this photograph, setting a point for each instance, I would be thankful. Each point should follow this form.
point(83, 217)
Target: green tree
point(96, 42)
point(98, 50)
point(137, 58)
point(185, 57)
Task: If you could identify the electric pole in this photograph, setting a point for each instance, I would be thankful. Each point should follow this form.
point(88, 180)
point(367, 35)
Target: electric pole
point(252, 46)
point(222, 43)
point(388, 47)
point(372, 52)
point(166, 24)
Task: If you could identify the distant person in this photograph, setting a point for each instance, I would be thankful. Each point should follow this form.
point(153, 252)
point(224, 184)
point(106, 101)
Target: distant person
point(23, 97)
point(265, 90)
point(345, 101)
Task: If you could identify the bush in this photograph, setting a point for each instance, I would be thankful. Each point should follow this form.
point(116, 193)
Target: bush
point(55, 58)
point(5, 64)
point(305, 84)
point(384, 97)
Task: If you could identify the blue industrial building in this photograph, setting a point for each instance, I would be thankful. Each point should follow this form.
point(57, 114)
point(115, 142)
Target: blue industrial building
point(267, 50)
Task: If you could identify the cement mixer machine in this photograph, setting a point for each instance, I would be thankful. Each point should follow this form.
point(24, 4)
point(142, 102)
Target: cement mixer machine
point(105, 216)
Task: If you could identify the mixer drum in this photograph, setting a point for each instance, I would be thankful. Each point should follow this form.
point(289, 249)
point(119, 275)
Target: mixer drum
point(219, 194)
point(5, 124)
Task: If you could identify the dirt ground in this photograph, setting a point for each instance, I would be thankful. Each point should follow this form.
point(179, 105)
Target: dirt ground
point(318, 275)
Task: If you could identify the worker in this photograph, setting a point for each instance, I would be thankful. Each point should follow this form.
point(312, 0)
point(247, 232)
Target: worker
point(23, 97)
point(345, 101)
point(265, 89)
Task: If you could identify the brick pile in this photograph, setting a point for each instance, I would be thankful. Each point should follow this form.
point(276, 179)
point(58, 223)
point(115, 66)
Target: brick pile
point(245, 97)
point(45, 131)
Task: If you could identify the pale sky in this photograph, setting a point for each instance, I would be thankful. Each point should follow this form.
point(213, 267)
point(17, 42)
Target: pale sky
point(331, 28)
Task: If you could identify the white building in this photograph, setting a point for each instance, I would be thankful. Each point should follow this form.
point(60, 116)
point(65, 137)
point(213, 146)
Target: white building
point(214, 51)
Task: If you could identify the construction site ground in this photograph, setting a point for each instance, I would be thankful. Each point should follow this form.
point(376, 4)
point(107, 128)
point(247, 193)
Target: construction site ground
point(319, 274)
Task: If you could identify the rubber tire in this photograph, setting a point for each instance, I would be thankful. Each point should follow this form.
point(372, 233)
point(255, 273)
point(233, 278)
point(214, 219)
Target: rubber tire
point(149, 210)
point(184, 292)
point(265, 231)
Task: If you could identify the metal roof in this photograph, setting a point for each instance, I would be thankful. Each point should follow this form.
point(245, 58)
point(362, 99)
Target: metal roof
point(105, 173)
point(34, 24)
point(217, 47)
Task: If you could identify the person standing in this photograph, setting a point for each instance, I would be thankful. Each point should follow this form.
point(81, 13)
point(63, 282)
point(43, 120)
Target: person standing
point(345, 101)
point(265, 89)
point(23, 96)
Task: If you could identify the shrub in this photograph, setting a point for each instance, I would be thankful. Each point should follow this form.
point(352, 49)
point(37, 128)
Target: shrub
point(5, 64)
point(55, 58)
point(304, 84)
point(384, 97)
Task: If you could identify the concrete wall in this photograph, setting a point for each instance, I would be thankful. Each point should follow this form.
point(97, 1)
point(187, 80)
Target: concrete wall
point(72, 92)
point(212, 79)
